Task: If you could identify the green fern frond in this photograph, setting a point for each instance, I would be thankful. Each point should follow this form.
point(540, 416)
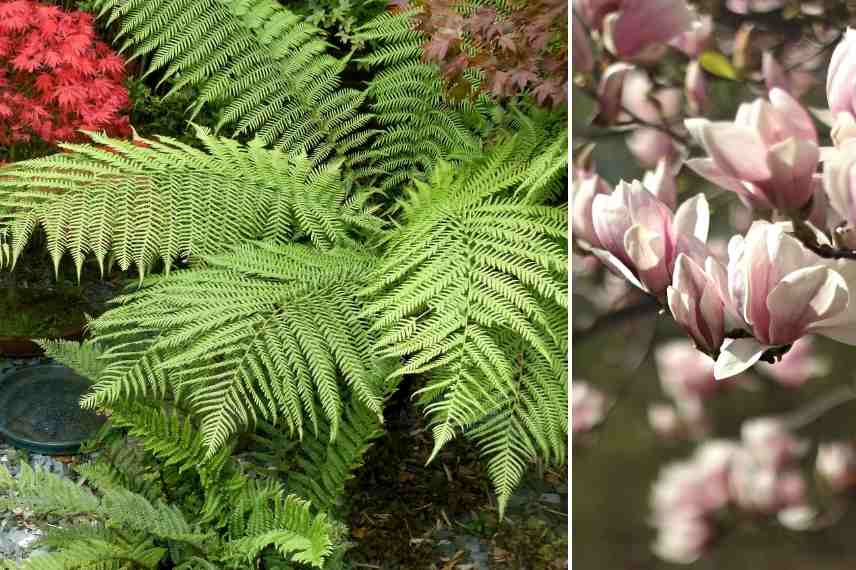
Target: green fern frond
point(266, 333)
point(288, 525)
point(265, 68)
point(472, 266)
point(422, 125)
point(169, 201)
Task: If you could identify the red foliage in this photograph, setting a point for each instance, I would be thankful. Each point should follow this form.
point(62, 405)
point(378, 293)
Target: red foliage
point(522, 50)
point(56, 77)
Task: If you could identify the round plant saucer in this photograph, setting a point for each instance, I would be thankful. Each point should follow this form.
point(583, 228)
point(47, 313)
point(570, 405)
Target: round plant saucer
point(40, 409)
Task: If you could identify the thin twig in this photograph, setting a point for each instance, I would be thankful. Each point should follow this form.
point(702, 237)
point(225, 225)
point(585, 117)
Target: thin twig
point(646, 306)
point(818, 408)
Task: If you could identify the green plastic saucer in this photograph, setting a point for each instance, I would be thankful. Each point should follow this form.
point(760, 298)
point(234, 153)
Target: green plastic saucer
point(40, 409)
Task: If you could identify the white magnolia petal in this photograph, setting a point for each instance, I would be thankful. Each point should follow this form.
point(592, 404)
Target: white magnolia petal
point(736, 356)
point(693, 218)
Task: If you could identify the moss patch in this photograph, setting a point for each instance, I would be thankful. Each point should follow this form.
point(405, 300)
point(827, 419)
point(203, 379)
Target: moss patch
point(36, 313)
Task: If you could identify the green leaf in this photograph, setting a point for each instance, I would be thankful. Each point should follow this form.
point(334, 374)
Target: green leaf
point(717, 64)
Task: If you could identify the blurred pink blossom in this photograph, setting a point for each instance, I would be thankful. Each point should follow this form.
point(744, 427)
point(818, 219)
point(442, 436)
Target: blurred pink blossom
point(770, 442)
point(746, 6)
point(635, 28)
point(664, 420)
point(696, 39)
point(836, 464)
point(799, 365)
point(656, 107)
point(587, 406)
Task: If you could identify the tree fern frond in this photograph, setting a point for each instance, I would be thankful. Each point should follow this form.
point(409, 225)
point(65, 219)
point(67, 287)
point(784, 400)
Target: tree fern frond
point(168, 201)
point(266, 332)
point(494, 269)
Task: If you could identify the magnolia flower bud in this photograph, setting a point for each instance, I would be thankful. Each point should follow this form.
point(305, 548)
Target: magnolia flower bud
point(768, 155)
point(782, 291)
point(836, 464)
point(641, 238)
point(841, 76)
point(696, 88)
point(700, 303)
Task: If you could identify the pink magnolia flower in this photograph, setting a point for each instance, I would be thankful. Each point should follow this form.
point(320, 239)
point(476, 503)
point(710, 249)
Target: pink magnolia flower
point(635, 28)
point(768, 155)
point(584, 191)
point(641, 238)
point(836, 464)
point(587, 406)
point(799, 365)
point(660, 107)
point(696, 39)
point(841, 76)
point(783, 292)
point(696, 88)
point(583, 60)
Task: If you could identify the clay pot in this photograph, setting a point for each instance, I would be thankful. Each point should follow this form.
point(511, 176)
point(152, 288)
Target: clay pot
point(24, 347)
